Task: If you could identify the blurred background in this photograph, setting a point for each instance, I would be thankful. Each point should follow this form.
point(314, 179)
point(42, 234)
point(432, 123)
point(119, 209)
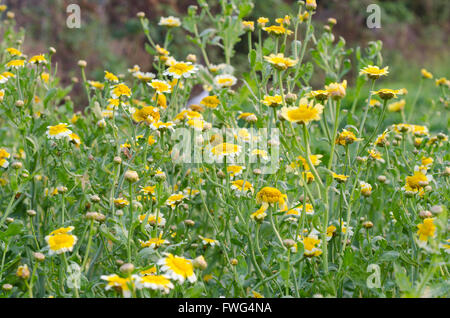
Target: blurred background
point(414, 32)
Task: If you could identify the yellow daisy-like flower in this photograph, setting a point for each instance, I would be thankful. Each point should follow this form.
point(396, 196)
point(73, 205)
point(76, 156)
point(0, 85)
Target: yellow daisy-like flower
point(374, 72)
point(375, 155)
point(16, 64)
point(227, 150)
point(366, 188)
point(45, 77)
point(210, 101)
point(153, 219)
point(120, 202)
point(120, 284)
point(234, 171)
point(320, 94)
point(175, 199)
point(331, 231)
point(225, 80)
point(248, 117)
point(161, 50)
point(337, 90)
point(148, 190)
point(272, 101)
point(339, 177)
point(2, 94)
point(170, 22)
point(426, 230)
point(262, 21)
point(154, 242)
point(426, 74)
point(346, 137)
point(419, 179)
point(270, 196)
point(426, 161)
point(111, 77)
point(260, 214)
point(239, 186)
point(397, 106)
point(60, 240)
point(178, 268)
point(148, 114)
point(277, 30)
point(181, 69)
point(208, 241)
point(279, 61)
point(311, 246)
point(120, 90)
point(387, 93)
point(155, 282)
point(248, 25)
point(75, 139)
point(304, 113)
point(197, 124)
point(442, 82)
point(162, 126)
point(59, 131)
point(3, 156)
point(160, 86)
point(187, 114)
point(96, 85)
point(38, 59)
point(13, 52)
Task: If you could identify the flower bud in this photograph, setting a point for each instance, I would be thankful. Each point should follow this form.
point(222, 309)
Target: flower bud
point(191, 58)
point(7, 287)
point(82, 63)
point(289, 243)
point(382, 179)
point(131, 176)
point(95, 198)
point(200, 263)
point(424, 214)
point(117, 160)
point(367, 224)
point(19, 103)
point(16, 165)
point(234, 262)
point(436, 209)
point(189, 222)
point(23, 272)
point(140, 15)
point(31, 213)
point(127, 268)
point(39, 257)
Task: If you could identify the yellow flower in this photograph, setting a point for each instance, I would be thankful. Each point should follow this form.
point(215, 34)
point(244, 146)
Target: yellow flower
point(320, 94)
point(181, 69)
point(426, 229)
point(366, 189)
point(375, 155)
point(148, 114)
point(272, 101)
point(331, 231)
point(15, 64)
point(262, 21)
point(260, 214)
point(175, 199)
point(248, 117)
point(234, 171)
point(397, 106)
point(3, 156)
point(387, 93)
point(120, 90)
point(442, 81)
point(152, 219)
point(277, 30)
point(238, 185)
point(38, 59)
point(418, 180)
point(121, 284)
point(208, 241)
point(13, 52)
point(155, 282)
point(339, 177)
point(374, 72)
point(120, 202)
point(225, 150)
point(60, 240)
point(59, 131)
point(96, 85)
point(154, 242)
point(248, 25)
point(160, 86)
point(210, 101)
point(427, 161)
point(426, 74)
point(310, 246)
point(178, 268)
point(187, 114)
point(111, 77)
point(304, 113)
point(45, 77)
point(225, 80)
point(270, 196)
point(279, 61)
point(337, 90)
point(381, 140)
point(170, 22)
point(346, 137)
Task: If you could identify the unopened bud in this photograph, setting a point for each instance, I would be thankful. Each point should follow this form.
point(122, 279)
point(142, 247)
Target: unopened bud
point(131, 176)
point(39, 257)
point(31, 213)
point(127, 268)
point(200, 262)
point(82, 63)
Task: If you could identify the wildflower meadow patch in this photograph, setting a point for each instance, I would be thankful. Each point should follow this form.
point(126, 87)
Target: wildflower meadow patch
point(264, 186)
